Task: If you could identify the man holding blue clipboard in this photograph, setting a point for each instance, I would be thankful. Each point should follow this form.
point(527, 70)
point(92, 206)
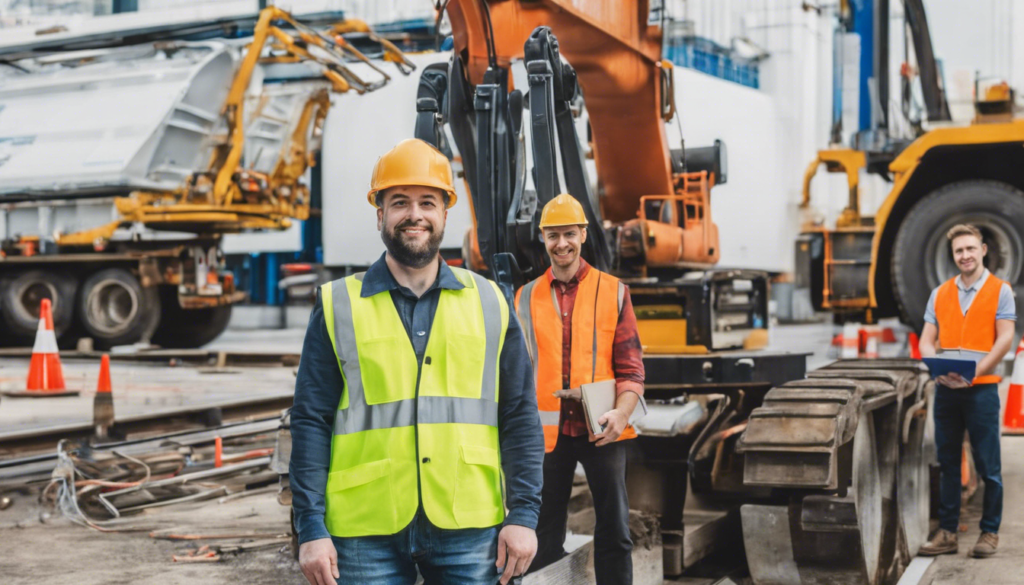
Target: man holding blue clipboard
point(972, 318)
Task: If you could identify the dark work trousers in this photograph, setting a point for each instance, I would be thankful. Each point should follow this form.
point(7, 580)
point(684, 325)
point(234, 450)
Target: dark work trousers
point(976, 410)
point(606, 473)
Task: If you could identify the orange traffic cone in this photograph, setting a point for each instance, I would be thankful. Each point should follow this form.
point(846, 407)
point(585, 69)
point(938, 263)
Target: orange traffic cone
point(103, 402)
point(888, 335)
point(915, 346)
point(1013, 418)
point(45, 375)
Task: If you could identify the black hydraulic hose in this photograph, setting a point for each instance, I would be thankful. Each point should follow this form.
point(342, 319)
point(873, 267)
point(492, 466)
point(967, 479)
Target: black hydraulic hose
point(440, 7)
point(720, 412)
point(492, 53)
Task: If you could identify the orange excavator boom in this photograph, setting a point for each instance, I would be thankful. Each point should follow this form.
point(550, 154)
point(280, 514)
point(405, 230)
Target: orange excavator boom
point(617, 56)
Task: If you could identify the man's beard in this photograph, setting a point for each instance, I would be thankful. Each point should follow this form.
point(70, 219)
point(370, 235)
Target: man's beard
point(407, 255)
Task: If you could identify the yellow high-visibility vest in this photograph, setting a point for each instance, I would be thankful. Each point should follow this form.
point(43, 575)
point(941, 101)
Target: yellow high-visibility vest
point(398, 440)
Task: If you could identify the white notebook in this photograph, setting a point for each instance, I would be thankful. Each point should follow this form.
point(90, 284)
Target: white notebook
point(598, 398)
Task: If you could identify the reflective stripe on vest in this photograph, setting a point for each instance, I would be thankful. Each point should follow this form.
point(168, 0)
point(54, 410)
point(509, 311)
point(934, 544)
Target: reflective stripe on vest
point(973, 331)
point(600, 296)
point(401, 426)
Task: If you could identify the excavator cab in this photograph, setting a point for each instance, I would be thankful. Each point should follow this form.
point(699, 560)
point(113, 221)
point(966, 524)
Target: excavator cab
point(993, 101)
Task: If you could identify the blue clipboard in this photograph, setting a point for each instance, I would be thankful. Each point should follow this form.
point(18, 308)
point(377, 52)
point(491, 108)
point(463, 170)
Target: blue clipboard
point(941, 366)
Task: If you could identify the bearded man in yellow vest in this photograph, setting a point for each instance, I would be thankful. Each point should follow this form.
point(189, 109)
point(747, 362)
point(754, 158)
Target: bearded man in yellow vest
point(412, 396)
point(580, 328)
point(972, 317)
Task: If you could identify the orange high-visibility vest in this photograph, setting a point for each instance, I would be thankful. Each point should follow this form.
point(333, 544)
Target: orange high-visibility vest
point(595, 316)
point(975, 331)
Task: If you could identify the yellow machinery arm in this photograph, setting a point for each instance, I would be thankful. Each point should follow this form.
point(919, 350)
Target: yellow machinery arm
point(225, 198)
point(839, 160)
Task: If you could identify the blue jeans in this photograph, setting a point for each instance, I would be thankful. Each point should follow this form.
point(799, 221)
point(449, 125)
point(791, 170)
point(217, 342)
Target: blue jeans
point(976, 410)
point(444, 557)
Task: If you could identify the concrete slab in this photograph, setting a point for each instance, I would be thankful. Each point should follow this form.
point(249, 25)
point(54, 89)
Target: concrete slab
point(915, 572)
point(138, 388)
point(260, 340)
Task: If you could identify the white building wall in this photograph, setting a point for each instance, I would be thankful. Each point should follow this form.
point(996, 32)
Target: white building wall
point(751, 222)
point(359, 130)
point(375, 11)
point(797, 79)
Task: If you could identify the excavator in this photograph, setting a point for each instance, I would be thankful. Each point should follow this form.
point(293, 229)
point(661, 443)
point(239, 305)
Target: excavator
point(870, 266)
point(124, 160)
point(823, 473)
point(655, 200)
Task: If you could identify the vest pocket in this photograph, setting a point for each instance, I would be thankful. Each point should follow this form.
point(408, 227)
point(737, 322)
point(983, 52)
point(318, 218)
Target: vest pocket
point(464, 364)
point(348, 494)
point(478, 501)
point(388, 376)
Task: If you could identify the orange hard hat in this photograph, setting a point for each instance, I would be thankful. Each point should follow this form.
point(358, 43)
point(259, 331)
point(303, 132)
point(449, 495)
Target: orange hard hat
point(562, 210)
point(412, 162)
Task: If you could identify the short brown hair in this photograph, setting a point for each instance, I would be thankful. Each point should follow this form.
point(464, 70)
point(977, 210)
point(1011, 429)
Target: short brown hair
point(963, 229)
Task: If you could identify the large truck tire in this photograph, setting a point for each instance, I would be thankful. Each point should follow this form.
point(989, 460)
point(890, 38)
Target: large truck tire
point(921, 256)
point(20, 297)
point(188, 328)
point(115, 309)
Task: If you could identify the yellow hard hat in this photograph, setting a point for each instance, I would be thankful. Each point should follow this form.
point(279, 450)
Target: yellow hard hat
point(562, 210)
point(412, 162)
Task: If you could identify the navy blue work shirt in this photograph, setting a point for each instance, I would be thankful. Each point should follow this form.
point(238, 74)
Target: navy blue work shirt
point(319, 386)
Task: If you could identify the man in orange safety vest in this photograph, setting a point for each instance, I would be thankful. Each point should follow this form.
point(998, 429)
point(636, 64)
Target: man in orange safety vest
point(580, 328)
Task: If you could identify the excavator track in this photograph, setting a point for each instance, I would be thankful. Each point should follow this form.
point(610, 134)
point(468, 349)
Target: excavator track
point(846, 451)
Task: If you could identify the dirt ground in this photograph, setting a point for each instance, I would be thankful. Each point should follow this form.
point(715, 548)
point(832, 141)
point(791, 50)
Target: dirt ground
point(58, 551)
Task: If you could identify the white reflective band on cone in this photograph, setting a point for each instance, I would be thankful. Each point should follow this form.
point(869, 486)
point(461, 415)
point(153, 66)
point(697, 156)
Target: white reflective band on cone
point(46, 341)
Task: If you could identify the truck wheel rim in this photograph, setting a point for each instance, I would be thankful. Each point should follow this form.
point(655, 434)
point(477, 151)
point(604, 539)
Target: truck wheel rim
point(112, 306)
point(1005, 249)
point(34, 293)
